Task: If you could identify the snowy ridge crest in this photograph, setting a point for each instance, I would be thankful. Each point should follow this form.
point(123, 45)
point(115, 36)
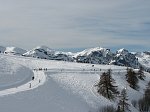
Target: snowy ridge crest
point(12, 50)
point(44, 52)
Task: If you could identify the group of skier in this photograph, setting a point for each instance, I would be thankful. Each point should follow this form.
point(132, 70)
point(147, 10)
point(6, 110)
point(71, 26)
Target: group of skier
point(40, 69)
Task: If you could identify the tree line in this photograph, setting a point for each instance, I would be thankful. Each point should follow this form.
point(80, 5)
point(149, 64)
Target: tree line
point(106, 87)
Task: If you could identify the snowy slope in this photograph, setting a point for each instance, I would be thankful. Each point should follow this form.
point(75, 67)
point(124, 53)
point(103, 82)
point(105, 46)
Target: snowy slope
point(69, 86)
point(144, 58)
point(16, 78)
point(12, 74)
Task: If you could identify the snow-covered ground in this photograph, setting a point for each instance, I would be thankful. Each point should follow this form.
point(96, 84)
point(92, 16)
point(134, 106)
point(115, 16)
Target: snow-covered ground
point(144, 59)
point(64, 87)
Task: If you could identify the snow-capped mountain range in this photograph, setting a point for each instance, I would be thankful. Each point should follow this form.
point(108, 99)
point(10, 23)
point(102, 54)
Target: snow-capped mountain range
point(97, 55)
point(104, 56)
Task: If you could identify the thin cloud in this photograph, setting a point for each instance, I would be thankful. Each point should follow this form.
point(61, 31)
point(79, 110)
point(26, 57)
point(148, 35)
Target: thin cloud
point(74, 23)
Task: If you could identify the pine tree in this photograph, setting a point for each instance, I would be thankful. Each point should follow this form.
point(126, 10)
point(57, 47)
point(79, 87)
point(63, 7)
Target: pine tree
point(105, 86)
point(109, 71)
point(147, 93)
point(131, 78)
point(123, 105)
point(141, 73)
point(118, 109)
point(112, 82)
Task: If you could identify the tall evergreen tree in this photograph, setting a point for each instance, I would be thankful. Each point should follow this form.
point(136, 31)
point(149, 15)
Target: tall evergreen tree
point(147, 93)
point(105, 86)
point(131, 78)
point(141, 73)
point(123, 105)
point(112, 82)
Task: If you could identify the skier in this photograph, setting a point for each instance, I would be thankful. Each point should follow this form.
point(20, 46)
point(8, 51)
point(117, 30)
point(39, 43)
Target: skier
point(33, 78)
point(30, 85)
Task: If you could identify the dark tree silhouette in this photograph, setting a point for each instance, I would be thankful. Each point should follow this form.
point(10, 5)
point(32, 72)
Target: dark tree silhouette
point(147, 93)
point(123, 105)
point(105, 86)
point(107, 109)
point(144, 103)
point(141, 73)
point(131, 78)
point(118, 109)
point(109, 71)
point(112, 82)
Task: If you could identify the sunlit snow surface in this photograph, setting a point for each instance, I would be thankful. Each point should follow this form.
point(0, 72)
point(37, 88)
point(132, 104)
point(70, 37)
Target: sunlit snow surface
point(64, 87)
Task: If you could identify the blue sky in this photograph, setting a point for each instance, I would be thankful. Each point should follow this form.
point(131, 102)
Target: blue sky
point(75, 24)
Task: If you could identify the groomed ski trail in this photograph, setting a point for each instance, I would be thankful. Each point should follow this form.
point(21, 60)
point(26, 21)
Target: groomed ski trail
point(39, 79)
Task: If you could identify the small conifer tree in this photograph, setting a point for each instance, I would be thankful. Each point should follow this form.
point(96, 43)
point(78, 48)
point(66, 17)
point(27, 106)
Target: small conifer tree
point(141, 73)
point(105, 86)
point(131, 78)
point(123, 105)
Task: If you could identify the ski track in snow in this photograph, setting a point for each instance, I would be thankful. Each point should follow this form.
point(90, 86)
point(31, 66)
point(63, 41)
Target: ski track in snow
point(39, 79)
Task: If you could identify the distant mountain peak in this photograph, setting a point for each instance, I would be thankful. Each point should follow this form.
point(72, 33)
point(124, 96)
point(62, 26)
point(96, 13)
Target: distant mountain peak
point(87, 52)
point(44, 48)
point(122, 51)
point(97, 55)
point(147, 52)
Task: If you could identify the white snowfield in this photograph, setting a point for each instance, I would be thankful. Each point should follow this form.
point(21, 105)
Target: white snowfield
point(144, 59)
point(40, 78)
point(63, 87)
